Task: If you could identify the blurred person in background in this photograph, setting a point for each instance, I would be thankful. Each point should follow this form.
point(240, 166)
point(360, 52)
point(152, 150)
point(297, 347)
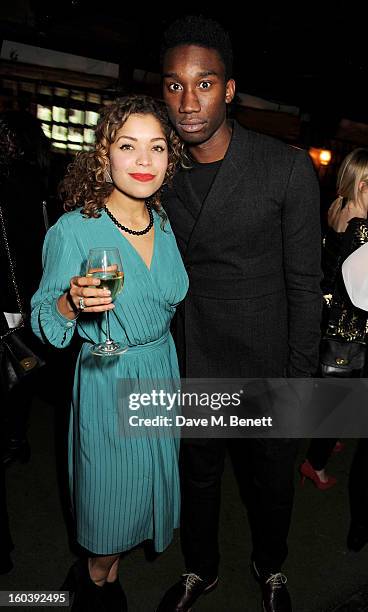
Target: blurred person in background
point(342, 320)
point(355, 274)
point(24, 162)
point(23, 188)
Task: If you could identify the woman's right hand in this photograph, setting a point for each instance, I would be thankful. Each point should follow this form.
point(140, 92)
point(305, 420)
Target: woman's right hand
point(84, 290)
point(338, 217)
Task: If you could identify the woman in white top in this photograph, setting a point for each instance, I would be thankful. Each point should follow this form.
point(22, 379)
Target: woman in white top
point(355, 274)
point(342, 322)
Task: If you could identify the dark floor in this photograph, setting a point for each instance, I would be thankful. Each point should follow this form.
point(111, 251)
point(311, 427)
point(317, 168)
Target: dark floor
point(322, 574)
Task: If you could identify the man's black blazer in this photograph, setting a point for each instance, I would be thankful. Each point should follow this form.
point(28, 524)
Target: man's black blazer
point(253, 259)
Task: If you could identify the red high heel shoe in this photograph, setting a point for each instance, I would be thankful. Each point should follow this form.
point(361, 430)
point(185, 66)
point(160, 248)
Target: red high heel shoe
point(307, 471)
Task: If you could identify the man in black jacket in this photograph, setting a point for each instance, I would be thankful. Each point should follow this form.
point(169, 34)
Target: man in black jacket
point(246, 218)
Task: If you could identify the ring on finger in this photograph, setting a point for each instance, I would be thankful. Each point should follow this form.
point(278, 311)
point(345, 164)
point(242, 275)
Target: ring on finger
point(82, 305)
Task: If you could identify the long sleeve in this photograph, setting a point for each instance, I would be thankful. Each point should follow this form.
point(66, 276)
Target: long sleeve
point(60, 263)
point(355, 274)
point(302, 266)
point(345, 321)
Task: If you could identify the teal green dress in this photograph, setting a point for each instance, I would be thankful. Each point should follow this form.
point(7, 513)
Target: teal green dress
point(125, 488)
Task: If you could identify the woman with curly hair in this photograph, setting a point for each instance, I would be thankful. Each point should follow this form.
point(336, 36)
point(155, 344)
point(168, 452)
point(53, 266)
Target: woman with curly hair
point(125, 488)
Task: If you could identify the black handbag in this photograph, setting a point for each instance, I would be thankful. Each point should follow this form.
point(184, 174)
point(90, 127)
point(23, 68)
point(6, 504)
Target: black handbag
point(17, 359)
point(341, 359)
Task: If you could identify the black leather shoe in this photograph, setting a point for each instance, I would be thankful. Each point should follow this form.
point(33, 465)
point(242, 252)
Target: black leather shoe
point(275, 596)
point(357, 537)
point(116, 596)
point(86, 595)
point(182, 596)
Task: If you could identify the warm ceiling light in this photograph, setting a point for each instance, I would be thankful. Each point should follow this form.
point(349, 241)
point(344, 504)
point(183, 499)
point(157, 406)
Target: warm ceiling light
point(320, 157)
point(324, 157)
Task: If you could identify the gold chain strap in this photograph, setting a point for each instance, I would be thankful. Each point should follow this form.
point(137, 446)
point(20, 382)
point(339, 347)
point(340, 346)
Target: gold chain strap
point(12, 273)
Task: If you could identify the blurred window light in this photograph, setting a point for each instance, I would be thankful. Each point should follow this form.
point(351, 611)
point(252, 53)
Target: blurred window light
point(59, 132)
point(94, 98)
point(91, 118)
point(75, 134)
point(68, 115)
point(75, 147)
point(61, 92)
point(45, 90)
point(76, 116)
point(44, 113)
point(89, 136)
point(59, 114)
point(46, 129)
point(77, 95)
point(59, 145)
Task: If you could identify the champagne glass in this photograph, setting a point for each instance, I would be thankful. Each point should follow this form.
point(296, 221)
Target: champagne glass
point(105, 264)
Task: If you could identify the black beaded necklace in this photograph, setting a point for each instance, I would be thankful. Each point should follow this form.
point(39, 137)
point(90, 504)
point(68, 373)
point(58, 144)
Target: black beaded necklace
point(130, 231)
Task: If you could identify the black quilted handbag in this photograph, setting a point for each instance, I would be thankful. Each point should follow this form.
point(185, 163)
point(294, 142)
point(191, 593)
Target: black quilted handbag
point(338, 358)
point(17, 359)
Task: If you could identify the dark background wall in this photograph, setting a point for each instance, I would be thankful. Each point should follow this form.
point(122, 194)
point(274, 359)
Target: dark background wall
point(309, 55)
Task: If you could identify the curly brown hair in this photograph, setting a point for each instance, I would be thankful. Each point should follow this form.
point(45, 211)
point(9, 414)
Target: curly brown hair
point(85, 186)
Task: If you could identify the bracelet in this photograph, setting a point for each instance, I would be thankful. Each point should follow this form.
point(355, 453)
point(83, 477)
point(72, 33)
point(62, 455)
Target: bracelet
point(76, 311)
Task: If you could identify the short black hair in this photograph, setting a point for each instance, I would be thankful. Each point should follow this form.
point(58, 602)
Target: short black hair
point(201, 31)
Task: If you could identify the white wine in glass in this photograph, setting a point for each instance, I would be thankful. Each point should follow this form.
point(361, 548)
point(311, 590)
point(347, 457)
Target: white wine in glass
point(105, 264)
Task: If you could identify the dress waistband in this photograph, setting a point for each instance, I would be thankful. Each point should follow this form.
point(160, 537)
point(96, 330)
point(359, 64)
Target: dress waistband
point(148, 346)
point(142, 348)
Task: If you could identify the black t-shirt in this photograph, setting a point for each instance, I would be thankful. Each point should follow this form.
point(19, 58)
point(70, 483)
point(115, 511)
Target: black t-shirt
point(201, 177)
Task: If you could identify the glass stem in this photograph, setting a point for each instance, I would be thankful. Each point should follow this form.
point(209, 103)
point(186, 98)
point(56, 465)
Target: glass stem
point(108, 339)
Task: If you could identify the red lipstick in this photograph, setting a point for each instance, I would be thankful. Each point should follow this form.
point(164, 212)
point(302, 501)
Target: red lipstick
point(144, 178)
